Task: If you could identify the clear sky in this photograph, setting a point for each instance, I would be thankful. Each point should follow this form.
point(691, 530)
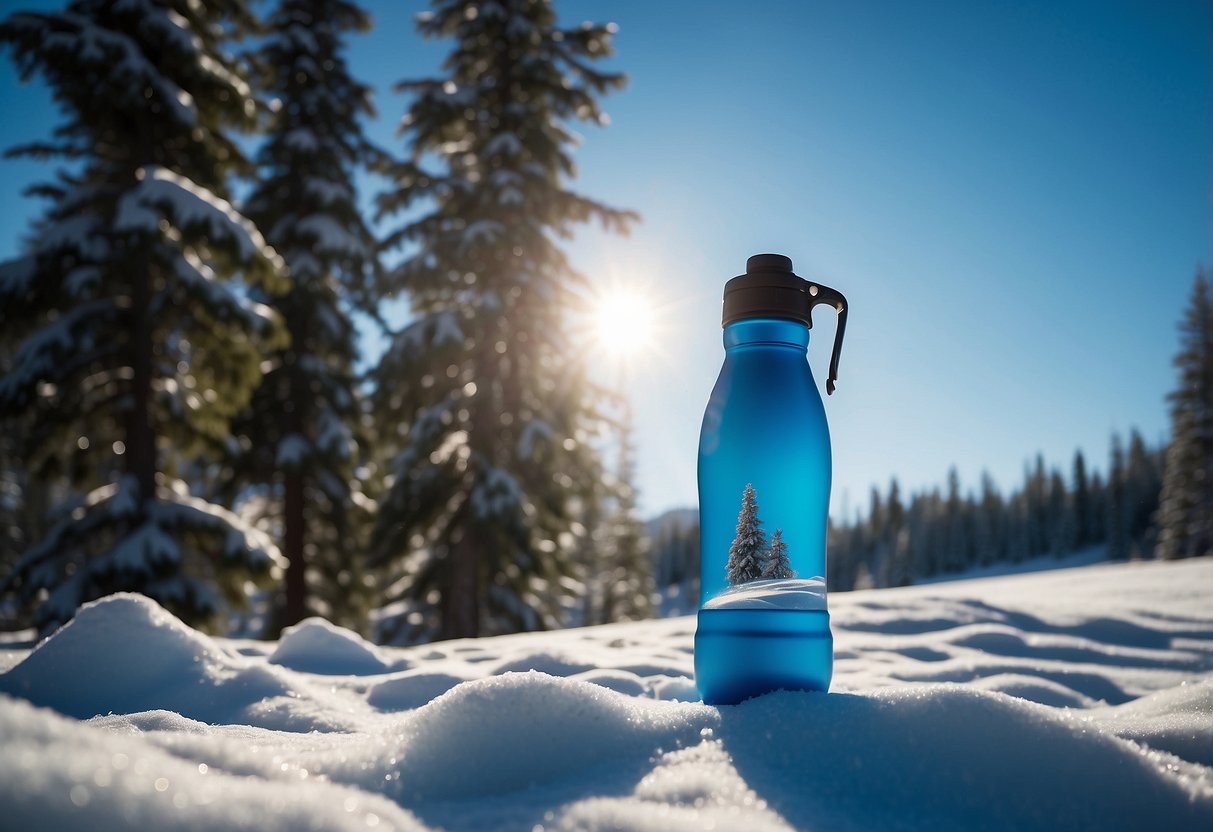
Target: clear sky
point(1013, 196)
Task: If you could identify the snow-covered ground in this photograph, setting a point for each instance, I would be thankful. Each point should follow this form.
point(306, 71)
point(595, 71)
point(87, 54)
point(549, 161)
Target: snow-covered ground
point(1074, 699)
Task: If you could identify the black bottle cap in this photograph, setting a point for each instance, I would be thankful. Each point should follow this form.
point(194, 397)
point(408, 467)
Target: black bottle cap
point(770, 289)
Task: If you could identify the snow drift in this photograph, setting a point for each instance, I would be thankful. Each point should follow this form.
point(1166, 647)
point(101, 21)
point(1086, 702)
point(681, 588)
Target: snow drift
point(936, 721)
point(772, 594)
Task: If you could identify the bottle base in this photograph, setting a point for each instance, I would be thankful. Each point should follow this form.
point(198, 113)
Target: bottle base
point(742, 653)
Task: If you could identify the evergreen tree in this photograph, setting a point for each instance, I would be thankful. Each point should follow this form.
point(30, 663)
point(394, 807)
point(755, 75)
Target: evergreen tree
point(749, 545)
point(1063, 533)
point(989, 526)
point(492, 417)
point(1185, 515)
point(1081, 502)
point(1115, 510)
point(955, 547)
point(1143, 482)
point(1036, 504)
point(898, 571)
point(1097, 527)
point(1019, 533)
point(298, 437)
point(628, 580)
point(134, 350)
point(776, 565)
point(676, 566)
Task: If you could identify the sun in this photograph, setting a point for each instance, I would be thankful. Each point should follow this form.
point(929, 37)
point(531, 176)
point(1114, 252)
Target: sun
point(623, 322)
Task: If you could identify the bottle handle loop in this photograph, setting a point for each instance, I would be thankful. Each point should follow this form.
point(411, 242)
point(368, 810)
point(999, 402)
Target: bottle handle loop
point(817, 295)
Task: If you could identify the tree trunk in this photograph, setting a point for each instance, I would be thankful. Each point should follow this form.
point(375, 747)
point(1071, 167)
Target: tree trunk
point(292, 538)
point(140, 434)
point(294, 521)
point(461, 601)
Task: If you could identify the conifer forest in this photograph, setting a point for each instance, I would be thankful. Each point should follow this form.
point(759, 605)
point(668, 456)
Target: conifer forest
point(186, 411)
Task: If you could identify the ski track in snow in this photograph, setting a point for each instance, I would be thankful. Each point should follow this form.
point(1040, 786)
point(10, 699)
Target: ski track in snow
point(1074, 699)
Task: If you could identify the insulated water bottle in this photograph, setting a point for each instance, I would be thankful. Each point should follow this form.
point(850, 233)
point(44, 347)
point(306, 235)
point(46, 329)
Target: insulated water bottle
point(764, 493)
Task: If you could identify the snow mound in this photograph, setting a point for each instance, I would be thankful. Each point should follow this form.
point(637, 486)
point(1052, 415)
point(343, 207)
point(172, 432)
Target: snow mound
point(1179, 720)
point(523, 730)
point(317, 646)
point(125, 653)
point(411, 690)
point(551, 662)
point(893, 757)
point(773, 594)
point(58, 774)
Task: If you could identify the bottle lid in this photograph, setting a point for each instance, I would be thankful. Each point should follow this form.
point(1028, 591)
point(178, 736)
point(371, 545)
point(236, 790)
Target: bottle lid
point(770, 289)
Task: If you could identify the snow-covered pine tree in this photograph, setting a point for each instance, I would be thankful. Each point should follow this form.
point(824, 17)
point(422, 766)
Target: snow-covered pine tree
point(897, 568)
point(132, 350)
point(1097, 527)
point(776, 565)
point(990, 524)
point(1063, 532)
point(627, 579)
point(1115, 509)
point(956, 547)
point(1143, 484)
point(297, 438)
point(485, 394)
point(1082, 501)
point(1036, 500)
point(1185, 514)
point(750, 543)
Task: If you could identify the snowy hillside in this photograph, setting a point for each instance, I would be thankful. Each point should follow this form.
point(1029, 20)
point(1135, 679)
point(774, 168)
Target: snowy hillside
point(1076, 699)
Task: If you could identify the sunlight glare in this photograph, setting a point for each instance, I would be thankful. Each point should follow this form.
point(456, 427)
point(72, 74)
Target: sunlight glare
point(623, 322)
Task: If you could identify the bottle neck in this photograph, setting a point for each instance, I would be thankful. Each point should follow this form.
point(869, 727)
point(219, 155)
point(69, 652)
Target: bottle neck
point(767, 332)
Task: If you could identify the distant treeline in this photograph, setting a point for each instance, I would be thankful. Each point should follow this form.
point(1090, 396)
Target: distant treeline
point(1051, 513)
point(944, 531)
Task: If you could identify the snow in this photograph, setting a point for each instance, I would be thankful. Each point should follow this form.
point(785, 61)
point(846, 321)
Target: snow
point(504, 143)
point(772, 594)
point(328, 191)
point(535, 430)
point(330, 234)
point(430, 331)
point(316, 646)
point(481, 230)
point(1075, 699)
point(45, 350)
point(161, 192)
point(292, 450)
point(120, 55)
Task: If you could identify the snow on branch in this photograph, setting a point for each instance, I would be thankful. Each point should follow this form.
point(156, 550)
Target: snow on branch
point(163, 194)
point(293, 449)
point(327, 191)
point(241, 541)
point(429, 332)
point(332, 236)
point(43, 353)
point(302, 139)
point(496, 493)
point(199, 278)
point(333, 435)
point(505, 143)
point(117, 54)
point(532, 431)
point(480, 230)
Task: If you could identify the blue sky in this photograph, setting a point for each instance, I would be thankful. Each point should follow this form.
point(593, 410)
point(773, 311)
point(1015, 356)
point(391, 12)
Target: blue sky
point(1013, 196)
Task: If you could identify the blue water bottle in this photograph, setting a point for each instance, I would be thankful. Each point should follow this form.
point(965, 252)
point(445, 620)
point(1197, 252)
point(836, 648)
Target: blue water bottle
point(764, 494)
